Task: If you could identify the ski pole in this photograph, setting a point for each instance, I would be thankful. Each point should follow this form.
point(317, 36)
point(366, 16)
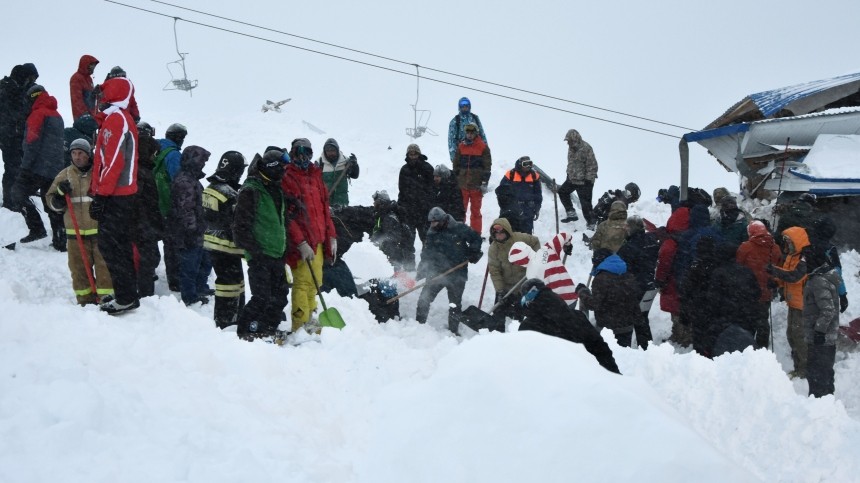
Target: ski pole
point(87, 267)
point(555, 202)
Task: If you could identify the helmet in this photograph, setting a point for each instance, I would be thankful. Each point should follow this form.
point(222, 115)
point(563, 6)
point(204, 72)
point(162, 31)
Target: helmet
point(437, 214)
point(442, 171)
point(632, 192)
point(144, 129)
point(231, 166)
point(117, 71)
point(464, 102)
point(272, 164)
point(810, 198)
point(176, 132)
point(34, 91)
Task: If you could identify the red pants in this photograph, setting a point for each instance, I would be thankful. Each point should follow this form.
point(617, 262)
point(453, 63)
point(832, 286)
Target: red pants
point(475, 197)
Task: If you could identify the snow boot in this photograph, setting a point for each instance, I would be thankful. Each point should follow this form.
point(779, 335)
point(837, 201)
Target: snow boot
point(34, 235)
point(571, 217)
point(115, 308)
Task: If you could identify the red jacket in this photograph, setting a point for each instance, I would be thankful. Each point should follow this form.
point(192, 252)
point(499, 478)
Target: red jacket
point(756, 254)
point(81, 89)
point(115, 161)
point(670, 299)
point(314, 224)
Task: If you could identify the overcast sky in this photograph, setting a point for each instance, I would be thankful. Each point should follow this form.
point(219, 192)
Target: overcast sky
point(678, 62)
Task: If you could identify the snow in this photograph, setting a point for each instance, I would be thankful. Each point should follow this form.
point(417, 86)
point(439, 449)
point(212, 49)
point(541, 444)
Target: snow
point(834, 156)
point(161, 395)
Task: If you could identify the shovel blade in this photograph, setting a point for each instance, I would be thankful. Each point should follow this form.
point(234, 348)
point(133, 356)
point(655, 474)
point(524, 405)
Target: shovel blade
point(330, 317)
point(476, 319)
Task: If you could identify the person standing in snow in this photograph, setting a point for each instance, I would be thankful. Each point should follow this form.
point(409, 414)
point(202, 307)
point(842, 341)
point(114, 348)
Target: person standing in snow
point(613, 296)
point(118, 71)
point(166, 167)
point(113, 186)
point(756, 254)
point(581, 173)
point(415, 190)
point(336, 168)
point(456, 128)
point(820, 320)
point(313, 238)
point(446, 193)
point(75, 182)
point(731, 222)
point(81, 87)
point(791, 277)
point(219, 206)
point(449, 243)
point(150, 223)
point(519, 196)
point(547, 313)
point(665, 278)
point(640, 251)
point(472, 163)
point(392, 236)
point(504, 274)
point(259, 228)
point(14, 109)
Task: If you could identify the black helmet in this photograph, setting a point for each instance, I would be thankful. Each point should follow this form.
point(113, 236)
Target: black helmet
point(176, 132)
point(632, 192)
point(117, 71)
point(272, 165)
point(231, 166)
point(144, 129)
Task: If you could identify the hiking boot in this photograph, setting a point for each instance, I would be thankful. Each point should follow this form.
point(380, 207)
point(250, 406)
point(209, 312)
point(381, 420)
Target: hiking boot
point(115, 308)
point(33, 236)
point(202, 300)
point(571, 217)
point(206, 291)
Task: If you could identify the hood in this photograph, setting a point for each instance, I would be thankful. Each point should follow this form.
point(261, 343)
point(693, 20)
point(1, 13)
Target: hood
point(117, 91)
point(86, 124)
point(85, 61)
point(506, 225)
point(331, 142)
point(45, 101)
point(765, 239)
point(412, 162)
point(573, 136)
point(19, 75)
point(193, 160)
point(725, 253)
point(618, 211)
point(679, 221)
point(699, 217)
point(28, 69)
point(612, 264)
point(798, 237)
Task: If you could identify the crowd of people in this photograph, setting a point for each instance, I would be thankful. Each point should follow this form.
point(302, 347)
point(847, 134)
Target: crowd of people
point(113, 191)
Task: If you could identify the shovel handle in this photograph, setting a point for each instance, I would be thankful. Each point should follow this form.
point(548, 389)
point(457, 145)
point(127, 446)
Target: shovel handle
point(316, 284)
point(516, 286)
point(417, 286)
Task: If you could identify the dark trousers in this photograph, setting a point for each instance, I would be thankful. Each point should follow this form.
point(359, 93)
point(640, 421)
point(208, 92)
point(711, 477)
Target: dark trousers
point(269, 290)
point(26, 185)
point(116, 227)
point(229, 287)
point(455, 283)
point(11, 164)
point(150, 257)
point(338, 276)
point(194, 269)
point(642, 327)
point(171, 262)
point(762, 325)
point(583, 191)
point(819, 369)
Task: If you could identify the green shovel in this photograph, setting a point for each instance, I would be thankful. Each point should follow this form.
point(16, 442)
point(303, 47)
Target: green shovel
point(329, 317)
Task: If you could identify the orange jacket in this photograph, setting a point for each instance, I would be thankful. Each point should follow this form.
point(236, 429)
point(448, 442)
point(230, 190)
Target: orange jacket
point(794, 290)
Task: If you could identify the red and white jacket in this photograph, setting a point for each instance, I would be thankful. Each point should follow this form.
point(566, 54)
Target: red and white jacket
point(545, 264)
point(115, 160)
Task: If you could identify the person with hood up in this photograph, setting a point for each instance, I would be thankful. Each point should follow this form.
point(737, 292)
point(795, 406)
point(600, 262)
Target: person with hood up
point(118, 71)
point(337, 172)
point(150, 223)
point(732, 294)
point(610, 234)
point(81, 87)
point(731, 222)
point(822, 233)
point(313, 238)
point(791, 277)
point(186, 225)
point(664, 276)
point(519, 195)
point(14, 109)
point(42, 161)
point(113, 188)
point(756, 254)
point(449, 243)
point(799, 212)
point(613, 296)
point(546, 264)
point(415, 190)
point(581, 173)
point(820, 320)
point(640, 251)
point(504, 274)
point(629, 195)
point(696, 307)
point(456, 128)
point(392, 236)
point(75, 182)
point(259, 228)
point(547, 313)
point(219, 207)
point(472, 166)
point(446, 193)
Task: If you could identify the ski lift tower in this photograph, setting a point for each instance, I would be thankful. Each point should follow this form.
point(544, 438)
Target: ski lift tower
point(176, 82)
point(420, 116)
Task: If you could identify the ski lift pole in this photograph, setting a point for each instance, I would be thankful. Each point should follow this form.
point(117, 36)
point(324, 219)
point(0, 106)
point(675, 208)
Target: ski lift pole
point(779, 188)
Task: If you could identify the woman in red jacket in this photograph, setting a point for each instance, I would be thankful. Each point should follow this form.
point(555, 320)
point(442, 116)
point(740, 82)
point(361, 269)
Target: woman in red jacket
point(670, 300)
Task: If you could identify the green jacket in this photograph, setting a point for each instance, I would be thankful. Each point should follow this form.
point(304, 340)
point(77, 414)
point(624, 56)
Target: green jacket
point(259, 222)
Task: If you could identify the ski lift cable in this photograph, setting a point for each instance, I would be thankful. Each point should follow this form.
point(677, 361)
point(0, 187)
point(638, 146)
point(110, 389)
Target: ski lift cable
point(428, 68)
point(440, 81)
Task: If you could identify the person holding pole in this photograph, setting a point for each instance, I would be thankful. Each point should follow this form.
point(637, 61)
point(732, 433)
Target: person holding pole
point(69, 190)
point(335, 167)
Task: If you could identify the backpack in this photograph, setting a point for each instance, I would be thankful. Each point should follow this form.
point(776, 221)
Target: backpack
point(698, 196)
point(162, 180)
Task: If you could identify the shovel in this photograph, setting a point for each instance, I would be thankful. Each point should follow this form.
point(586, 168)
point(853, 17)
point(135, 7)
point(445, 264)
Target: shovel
point(476, 319)
point(329, 317)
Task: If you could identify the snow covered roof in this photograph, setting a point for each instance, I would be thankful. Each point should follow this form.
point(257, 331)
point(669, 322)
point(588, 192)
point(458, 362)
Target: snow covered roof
point(794, 100)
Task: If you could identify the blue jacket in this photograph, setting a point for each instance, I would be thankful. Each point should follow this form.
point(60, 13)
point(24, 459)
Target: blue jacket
point(172, 161)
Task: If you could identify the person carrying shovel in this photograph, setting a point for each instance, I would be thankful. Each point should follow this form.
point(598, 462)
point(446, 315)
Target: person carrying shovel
point(69, 190)
point(503, 272)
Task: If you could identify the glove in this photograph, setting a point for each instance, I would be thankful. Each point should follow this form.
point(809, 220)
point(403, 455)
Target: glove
point(97, 207)
point(770, 270)
point(65, 187)
point(537, 215)
point(843, 303)
point(818, 339)
point(484, 188)
point(476, 257)
point(353, 159)
point(333, 245)
point(580, 287)
point(567, 248)
point(306, 252)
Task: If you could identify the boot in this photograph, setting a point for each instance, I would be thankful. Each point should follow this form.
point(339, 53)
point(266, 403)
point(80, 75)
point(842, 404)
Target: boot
point(34, 235)
point(454, 320)
point(115, 308)
point(58, 240)
point(571, 216)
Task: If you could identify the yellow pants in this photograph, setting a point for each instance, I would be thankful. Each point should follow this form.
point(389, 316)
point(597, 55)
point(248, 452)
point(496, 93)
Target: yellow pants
point(80, 281)
point(304, 292)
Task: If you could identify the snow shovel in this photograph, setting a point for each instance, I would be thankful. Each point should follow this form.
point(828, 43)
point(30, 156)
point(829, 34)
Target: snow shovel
point(329, 317)
point(476, 319)
point(419, 285)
